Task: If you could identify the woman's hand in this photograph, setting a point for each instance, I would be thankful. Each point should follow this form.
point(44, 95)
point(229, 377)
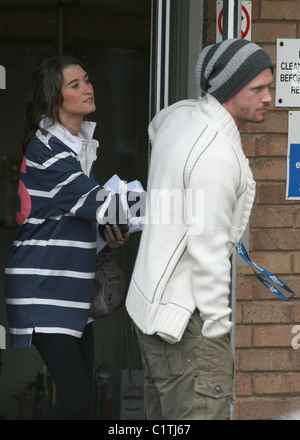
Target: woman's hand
point(114, 237)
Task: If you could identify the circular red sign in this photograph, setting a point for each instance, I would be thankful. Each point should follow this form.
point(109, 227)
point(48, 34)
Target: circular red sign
point(244, 34)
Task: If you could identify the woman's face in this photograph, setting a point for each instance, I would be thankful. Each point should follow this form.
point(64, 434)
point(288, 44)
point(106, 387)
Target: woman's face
point(77, 93)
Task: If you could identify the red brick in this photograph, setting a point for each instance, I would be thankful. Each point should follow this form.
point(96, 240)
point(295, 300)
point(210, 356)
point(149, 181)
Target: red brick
point(295, 365)
point(266, 312)
point(297, 217)
point(244, 287)
point(271, 217)
point(278, 239)
point(295, 405)
point(280, 10)
point(296, 265)
point(270, 145)
point(255, 6)
point(272, 336)
point(271, 193)
point(263, 33)
point(255, 408)
point(276, 383)
point(258, 359)
point(296, 308)
point(268, 168)
point(242, 385)
point(243, 336)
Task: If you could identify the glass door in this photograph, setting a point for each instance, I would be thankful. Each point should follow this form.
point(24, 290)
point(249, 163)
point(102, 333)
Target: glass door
point(176, 43)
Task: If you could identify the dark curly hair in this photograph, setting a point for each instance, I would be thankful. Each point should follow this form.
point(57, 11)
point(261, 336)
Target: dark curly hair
point(47, 80)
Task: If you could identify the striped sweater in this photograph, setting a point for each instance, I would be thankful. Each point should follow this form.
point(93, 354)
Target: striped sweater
point(50, 271)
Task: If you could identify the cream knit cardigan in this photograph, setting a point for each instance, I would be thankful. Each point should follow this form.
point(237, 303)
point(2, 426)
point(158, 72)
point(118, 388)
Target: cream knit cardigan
point(196, 147)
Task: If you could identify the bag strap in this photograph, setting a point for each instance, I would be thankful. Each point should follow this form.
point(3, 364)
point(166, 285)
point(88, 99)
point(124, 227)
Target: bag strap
point(243, 253)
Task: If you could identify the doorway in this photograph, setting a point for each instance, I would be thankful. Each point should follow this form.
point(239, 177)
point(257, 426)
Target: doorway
point(112, 38)
point(118, 41)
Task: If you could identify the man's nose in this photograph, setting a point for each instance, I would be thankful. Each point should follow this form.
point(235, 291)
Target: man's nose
point(268, 97)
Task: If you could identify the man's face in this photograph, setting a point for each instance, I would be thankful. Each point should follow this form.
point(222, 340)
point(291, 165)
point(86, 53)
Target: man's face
point(251, 103)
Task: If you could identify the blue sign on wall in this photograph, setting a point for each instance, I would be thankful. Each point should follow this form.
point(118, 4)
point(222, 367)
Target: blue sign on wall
point(293, 184)
point(293, 157)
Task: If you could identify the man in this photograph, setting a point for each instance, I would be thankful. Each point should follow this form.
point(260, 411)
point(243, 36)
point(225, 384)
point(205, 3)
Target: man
point(178, 296)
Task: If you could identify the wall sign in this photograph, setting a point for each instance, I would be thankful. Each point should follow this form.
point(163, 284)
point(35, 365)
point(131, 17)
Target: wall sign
point(293, 158)
point(287, 72)
point(245, 25)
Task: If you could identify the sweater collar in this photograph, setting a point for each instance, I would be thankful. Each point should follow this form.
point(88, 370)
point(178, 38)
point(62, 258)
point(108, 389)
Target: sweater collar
point(220, 116)
point(74, 142)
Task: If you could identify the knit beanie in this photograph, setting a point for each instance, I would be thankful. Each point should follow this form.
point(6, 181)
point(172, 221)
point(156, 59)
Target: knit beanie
point(225, 68)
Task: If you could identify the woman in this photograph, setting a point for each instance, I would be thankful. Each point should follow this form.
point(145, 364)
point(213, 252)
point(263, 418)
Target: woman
point(49, 274)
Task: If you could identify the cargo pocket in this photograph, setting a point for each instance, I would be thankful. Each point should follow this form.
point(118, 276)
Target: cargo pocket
point(214, 385)
point(215, 392)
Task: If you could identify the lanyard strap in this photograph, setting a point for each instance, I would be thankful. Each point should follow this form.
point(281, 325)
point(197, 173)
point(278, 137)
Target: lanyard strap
point(243, 253)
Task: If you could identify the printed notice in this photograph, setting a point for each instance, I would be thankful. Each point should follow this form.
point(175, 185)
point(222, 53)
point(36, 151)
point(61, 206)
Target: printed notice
point(287, 72)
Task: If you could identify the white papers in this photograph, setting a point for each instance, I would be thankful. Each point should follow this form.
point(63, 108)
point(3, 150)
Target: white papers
point(118, 186)
point(115, 184)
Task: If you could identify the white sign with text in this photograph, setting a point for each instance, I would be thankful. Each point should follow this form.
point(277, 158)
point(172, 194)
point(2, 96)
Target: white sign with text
point(287, 72)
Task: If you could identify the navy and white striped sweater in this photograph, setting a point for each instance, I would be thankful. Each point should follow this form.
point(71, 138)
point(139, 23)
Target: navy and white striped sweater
point(50, 272)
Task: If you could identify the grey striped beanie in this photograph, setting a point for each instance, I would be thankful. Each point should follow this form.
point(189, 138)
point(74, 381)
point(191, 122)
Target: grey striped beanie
point(225, 68)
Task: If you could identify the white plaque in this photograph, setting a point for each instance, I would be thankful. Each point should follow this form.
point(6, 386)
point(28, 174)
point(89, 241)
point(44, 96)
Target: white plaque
point(287, 72)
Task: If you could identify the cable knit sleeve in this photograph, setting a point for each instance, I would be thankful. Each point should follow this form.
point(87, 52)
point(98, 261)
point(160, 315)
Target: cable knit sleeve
point(217, 173)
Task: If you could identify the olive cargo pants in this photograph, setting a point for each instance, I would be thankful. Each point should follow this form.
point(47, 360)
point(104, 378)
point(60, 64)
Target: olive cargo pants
point(189, 380)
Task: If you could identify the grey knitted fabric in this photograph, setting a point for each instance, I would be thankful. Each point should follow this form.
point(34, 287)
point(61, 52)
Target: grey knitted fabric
point(223, 69)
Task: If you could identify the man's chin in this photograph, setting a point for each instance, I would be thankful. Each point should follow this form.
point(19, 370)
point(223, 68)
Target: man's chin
point(260, 119)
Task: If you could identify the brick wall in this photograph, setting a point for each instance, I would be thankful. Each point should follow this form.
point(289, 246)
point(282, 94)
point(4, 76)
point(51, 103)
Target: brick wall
point(267, 381)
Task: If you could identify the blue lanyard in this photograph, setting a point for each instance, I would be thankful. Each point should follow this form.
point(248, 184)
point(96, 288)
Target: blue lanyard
point(243, 253)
